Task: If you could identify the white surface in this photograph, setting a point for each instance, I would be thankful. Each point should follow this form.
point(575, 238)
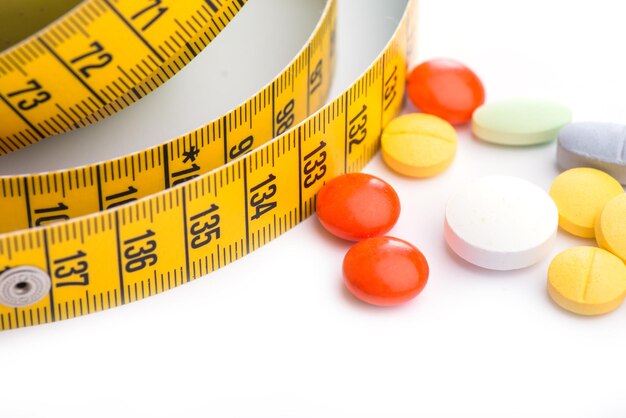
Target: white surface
point(276, 335)
point(501, 223)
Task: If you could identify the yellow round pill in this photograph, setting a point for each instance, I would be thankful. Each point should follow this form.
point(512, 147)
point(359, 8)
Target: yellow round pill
point(418, 145)
point(587, 280)
point(580, 194)
point(611, 227)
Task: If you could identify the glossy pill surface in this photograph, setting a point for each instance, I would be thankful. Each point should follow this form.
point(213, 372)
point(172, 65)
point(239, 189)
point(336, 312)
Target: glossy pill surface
point(446, 88)
point(385, 271)
point(580, 194)
point(587, 280)
point(501, 223)
point(418, 145)
point(610, 227)
point(593, 144)
point(356, 206)
point(520, 122)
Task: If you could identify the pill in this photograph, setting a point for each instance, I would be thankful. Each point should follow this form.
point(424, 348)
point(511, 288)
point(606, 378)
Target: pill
point(501, 223)
point(580, 194)
point(587, 280)
point(385, 271)
point(418, 145)
point(597, 145)
point(610, 227)
point(356, 206)
point(518, 122)
point(446, 88)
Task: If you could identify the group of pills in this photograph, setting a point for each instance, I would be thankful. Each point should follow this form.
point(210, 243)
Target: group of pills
point(378, 269)
point(586, 279)
point(496, 222)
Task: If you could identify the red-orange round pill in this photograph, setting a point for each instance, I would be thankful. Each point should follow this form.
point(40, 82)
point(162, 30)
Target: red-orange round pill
point(385, 271)
point(446, 88)
point(356, 206)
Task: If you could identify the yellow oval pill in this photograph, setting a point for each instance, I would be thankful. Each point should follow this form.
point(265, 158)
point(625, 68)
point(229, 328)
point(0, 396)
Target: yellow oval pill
point(587, 280)
point(611, 227)
point(580, 194)
point(418, 145)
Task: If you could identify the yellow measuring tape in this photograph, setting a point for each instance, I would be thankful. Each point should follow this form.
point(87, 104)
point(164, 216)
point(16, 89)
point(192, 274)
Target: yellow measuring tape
point(101, 57)
point(145, 223)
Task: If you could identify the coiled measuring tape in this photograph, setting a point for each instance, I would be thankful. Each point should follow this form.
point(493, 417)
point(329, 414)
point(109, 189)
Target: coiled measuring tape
point(139, 225)
point(98, 59)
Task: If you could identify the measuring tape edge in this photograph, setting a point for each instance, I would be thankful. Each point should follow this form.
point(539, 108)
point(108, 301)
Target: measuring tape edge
point(329, 5)
point(291, 131)
point(161, 73)
point(132, 211)
point(50, 26)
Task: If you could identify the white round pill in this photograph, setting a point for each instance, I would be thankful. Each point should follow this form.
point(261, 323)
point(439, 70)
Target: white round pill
point(501, 223)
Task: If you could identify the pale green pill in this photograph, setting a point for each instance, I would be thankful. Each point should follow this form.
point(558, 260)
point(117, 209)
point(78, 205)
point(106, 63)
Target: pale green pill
point(520, 122)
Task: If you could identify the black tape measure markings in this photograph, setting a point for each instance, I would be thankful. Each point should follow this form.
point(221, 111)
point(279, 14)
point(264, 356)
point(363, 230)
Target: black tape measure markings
point(98, 59)
point(34, 200)
point(219, 217)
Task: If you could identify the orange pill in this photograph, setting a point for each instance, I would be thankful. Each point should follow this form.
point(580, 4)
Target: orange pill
point(385, 271)
point(446, 88)
point(357, 206)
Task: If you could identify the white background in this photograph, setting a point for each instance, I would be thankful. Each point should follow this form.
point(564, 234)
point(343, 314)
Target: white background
point(275, 334)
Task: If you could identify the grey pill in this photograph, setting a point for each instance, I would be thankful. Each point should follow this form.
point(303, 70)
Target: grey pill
point(593, 144)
